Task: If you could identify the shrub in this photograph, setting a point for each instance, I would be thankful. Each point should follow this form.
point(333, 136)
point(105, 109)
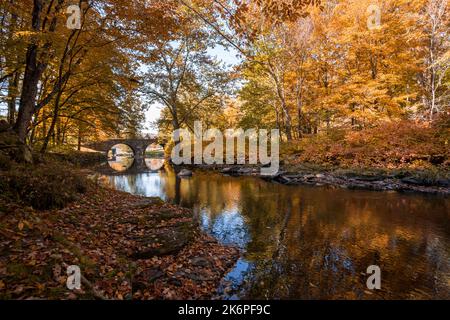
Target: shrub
point(44, 186)
point(391, 145)
point(5, 162)
point(79, 159)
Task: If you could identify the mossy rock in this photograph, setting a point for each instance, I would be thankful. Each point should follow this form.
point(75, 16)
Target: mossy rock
point(165, 241)
point(147, 203)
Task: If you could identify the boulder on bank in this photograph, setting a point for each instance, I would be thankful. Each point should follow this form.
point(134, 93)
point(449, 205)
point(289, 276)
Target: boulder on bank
point(245, 171)
point(165, 241)
point(231, 171)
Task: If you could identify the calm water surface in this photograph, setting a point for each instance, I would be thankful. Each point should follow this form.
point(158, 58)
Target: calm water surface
point(310, 242)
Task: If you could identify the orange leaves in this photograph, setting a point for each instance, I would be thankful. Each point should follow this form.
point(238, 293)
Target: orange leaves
point(275, 11)
point(335, 71)
point(23, 223)
point(394, 145)
point(99, 233)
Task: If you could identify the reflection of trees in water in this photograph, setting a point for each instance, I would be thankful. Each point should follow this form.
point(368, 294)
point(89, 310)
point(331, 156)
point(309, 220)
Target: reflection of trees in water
point(146, 184)
point(154, 164)
point(329, 244)
point(121, 164)
point(155, 151)
point(120, 150)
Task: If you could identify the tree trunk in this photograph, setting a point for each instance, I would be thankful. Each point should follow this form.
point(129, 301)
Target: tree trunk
point(51, 131)
point(33, 69)
point(13, 81)
point(79, 138)
point(281, 96)
point(44, 124)
point(58, 131)
point(33, 73)
point(174, 110)
point(300, 117)
point(34, 129)
point(288, 122)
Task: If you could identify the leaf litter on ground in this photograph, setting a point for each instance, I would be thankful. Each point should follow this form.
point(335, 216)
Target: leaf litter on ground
point(127, 247)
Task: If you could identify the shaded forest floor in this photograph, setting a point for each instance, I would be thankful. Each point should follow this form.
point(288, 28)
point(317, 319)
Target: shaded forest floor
point(127, 247)
point(399, 156)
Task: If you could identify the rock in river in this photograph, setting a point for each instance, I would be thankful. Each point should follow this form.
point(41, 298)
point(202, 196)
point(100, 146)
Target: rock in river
point(185, 173)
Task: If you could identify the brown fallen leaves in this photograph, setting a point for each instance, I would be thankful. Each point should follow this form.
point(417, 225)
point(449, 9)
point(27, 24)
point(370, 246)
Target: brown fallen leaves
point(127, 247)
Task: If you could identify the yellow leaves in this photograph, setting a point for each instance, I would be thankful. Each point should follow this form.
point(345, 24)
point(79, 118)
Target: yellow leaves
point(291, 77)
point(22, 34)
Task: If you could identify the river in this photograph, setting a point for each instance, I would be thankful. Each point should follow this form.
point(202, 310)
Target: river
point(303, 242)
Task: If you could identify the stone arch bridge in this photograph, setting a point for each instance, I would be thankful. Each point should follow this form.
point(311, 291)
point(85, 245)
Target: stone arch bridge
point(138, 146)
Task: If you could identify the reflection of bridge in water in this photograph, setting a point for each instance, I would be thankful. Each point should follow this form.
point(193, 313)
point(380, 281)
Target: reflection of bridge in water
point(138, 146)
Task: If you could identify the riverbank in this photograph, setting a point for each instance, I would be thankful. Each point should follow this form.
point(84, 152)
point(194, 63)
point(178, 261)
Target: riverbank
point(400, 156)
point(358, 179)
point(127, 247)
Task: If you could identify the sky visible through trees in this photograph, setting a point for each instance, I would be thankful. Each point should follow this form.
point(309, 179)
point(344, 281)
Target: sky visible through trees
point(229, 56)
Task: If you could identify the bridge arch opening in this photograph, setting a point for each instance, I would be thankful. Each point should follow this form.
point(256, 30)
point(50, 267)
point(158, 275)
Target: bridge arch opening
point(154, 157)
point(121, 157)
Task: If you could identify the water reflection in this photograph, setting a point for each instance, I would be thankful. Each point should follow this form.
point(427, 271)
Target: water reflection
point(315, 243)
point(125, 164)
point(121, 157)
point(121, 164)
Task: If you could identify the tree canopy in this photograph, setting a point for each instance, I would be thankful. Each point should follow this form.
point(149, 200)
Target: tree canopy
point(305, 66)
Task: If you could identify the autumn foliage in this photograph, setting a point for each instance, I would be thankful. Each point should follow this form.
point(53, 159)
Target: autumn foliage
point(393, 145)
point(349, 84)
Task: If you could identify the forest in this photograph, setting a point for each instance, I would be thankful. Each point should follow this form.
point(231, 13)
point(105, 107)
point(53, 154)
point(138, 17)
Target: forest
point(329, 74)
